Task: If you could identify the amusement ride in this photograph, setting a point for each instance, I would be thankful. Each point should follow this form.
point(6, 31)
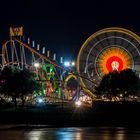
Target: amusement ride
point(107, 50)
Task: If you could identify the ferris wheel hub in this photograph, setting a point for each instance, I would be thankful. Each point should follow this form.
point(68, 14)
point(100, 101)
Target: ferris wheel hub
point(114, 63)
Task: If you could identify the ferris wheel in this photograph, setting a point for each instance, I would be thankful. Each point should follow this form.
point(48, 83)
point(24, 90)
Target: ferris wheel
point(107, 50)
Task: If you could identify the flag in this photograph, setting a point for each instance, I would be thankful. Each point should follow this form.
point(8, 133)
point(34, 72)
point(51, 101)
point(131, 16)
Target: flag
point(43, 50)
point(18, 31)
point(28, 40)
point(23, 38)
point(61, 60)
point(33, 44)
point(48, 53)
point(54, 56)
point(38, 46)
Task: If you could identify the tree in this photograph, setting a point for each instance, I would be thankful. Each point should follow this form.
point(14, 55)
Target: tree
point(18, 83)
point(125, 82)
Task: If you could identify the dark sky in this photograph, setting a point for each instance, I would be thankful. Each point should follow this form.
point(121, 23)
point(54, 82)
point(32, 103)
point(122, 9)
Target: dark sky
point(62, 26)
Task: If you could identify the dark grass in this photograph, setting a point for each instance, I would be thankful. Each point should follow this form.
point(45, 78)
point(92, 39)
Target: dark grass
point(101, 114)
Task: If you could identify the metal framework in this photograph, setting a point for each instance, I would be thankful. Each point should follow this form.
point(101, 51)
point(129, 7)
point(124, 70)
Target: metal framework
point(17, 53)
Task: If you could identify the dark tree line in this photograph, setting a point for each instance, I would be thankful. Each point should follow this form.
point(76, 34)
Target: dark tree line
point(17, 83)
point(125, 83)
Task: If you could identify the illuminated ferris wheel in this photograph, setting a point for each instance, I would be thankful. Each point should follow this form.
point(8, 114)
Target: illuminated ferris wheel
point(108, 50)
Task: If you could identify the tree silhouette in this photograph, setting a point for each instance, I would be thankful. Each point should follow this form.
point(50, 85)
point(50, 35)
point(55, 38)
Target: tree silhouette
point(18, 83)
point(125, 82)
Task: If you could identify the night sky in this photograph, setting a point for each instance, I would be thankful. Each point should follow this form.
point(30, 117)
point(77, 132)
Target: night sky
point(63, 26)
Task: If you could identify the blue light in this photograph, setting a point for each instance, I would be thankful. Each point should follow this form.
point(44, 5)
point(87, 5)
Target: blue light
point(67, 64)
point(40, 100)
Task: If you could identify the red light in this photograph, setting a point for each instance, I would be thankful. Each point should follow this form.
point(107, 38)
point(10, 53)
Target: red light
point(114, 63)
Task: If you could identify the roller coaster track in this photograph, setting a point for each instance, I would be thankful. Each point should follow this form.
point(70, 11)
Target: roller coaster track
point(30, 49)
point(19, 43)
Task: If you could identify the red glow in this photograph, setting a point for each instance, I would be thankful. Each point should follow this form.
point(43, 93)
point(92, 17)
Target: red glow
point(113, 59)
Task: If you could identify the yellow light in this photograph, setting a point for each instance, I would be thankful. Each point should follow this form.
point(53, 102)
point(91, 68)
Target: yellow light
point(37, 65)
point(78, 103)
point(121, 95)
point(73, 63)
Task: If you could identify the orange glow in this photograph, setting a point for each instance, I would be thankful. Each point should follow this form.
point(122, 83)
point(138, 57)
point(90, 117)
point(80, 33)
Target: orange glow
point(113, 59)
